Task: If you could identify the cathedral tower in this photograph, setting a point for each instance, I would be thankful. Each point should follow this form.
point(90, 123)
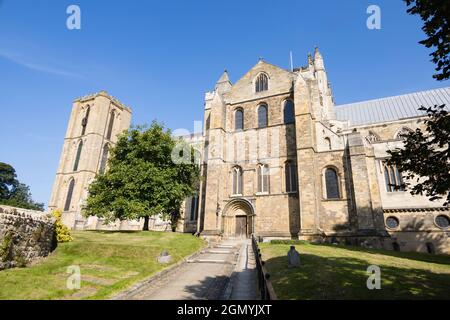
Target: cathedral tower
point(94, 124)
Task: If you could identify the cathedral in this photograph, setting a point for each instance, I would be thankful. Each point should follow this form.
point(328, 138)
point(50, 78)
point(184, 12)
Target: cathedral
point(279, 160)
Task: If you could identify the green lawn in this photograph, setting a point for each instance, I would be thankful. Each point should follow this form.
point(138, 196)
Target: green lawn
point(109, 263)
point(330, 272)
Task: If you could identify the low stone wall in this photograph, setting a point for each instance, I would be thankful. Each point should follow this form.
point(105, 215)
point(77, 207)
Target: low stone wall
point(25, 235)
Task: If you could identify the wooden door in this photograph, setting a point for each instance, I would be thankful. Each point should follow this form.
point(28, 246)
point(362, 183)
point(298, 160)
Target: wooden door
point(241, 226)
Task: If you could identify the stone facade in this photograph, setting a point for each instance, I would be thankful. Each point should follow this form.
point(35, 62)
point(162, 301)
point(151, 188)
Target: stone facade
point(95, 122)
point(25, 236)
point(316, 142)
point(298, 173)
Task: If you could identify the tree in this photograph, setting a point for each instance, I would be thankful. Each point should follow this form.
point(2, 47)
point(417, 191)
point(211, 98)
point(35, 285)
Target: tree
point(21, 197)
point(142, 179)
point(425, 157)
point(436, 17)
point(14, 193)
point(8, 180)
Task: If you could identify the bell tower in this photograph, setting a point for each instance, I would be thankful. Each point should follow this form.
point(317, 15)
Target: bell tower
point(94, 124)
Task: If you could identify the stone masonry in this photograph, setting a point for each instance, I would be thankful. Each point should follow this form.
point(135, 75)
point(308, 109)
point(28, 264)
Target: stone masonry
point(25, 235)
point(306, 173)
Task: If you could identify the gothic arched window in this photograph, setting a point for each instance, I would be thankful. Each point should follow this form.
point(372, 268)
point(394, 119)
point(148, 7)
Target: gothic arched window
point(78, 155)
point(262, 116)
point(262, 83)
point(332, 184)
point(263, 178)
point(208, 122)
point(239, 120)
point(237, 181)
point(291, 176)
point(289, 112)
point(197, 158)
point(111, 125)
point(393, 179)
point(328, 143)
point(69, 195)
point(104, 158)
point(85, 120)
point(194, 208)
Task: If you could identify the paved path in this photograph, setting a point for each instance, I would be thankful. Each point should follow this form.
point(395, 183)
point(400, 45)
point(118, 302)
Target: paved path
point(224, 271)
point(244, 279)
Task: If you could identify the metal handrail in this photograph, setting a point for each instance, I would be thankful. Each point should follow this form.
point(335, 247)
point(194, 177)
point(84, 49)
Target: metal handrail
point(264, 283)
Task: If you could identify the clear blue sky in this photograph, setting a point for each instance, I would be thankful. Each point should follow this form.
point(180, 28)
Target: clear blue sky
point(159, 57)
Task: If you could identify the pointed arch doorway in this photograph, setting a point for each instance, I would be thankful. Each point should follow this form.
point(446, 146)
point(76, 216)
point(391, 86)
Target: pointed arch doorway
point(238, 219)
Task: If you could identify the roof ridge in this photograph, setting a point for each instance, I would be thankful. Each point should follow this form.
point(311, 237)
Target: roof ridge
point(392, 108)
point(392, 97)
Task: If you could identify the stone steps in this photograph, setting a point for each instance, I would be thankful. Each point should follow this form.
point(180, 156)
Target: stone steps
point(217, 251)
point(221, 253)
point(219, 261)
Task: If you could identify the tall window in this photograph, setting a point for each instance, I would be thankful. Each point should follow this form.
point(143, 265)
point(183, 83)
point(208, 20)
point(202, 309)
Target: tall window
point(85, 120)
point(197, 158)
point(69, 195)
point(262, 116)
point(332, 184)
point(328, 143)
point(262, 83)
point(194, 208)
point(77, 157)
point(237, 180)
point(393, 179)
point(263, 178)
point(289, 112)
point(104, 158)
point(208, 122)
point(239, 120)
point(291, 177)
point(111, 124)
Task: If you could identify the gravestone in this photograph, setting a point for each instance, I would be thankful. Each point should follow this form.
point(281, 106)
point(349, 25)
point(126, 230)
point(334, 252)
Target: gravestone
point(293, 258)
point(164, 257)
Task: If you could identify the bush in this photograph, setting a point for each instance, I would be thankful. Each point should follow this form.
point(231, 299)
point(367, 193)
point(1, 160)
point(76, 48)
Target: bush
point(62, 232)
point(6, 248)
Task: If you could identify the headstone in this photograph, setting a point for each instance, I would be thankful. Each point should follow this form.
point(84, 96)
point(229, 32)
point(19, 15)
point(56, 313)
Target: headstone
point(334, 241)
point(164, 257)
point(293, 258)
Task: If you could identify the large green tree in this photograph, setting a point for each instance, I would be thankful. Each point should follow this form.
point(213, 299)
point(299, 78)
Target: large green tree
point(146, 177)
point(8, 180)
point(14, 193)
point(436, 17)
point(425, 156)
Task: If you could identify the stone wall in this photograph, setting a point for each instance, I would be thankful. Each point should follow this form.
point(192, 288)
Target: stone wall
point(417, 230)
point(25, 235)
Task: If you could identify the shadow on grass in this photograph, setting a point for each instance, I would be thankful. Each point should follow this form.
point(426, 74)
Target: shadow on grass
point(114, 231)
point(419, 256)
point(345, 278)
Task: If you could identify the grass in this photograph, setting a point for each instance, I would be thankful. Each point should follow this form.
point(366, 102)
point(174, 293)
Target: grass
point(330, 272)
point(109, 262)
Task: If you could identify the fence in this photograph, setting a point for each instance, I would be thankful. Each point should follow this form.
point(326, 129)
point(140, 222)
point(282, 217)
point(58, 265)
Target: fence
point(264, 283)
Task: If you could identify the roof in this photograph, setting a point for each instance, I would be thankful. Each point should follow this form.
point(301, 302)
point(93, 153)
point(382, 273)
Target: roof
point(392, 108)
